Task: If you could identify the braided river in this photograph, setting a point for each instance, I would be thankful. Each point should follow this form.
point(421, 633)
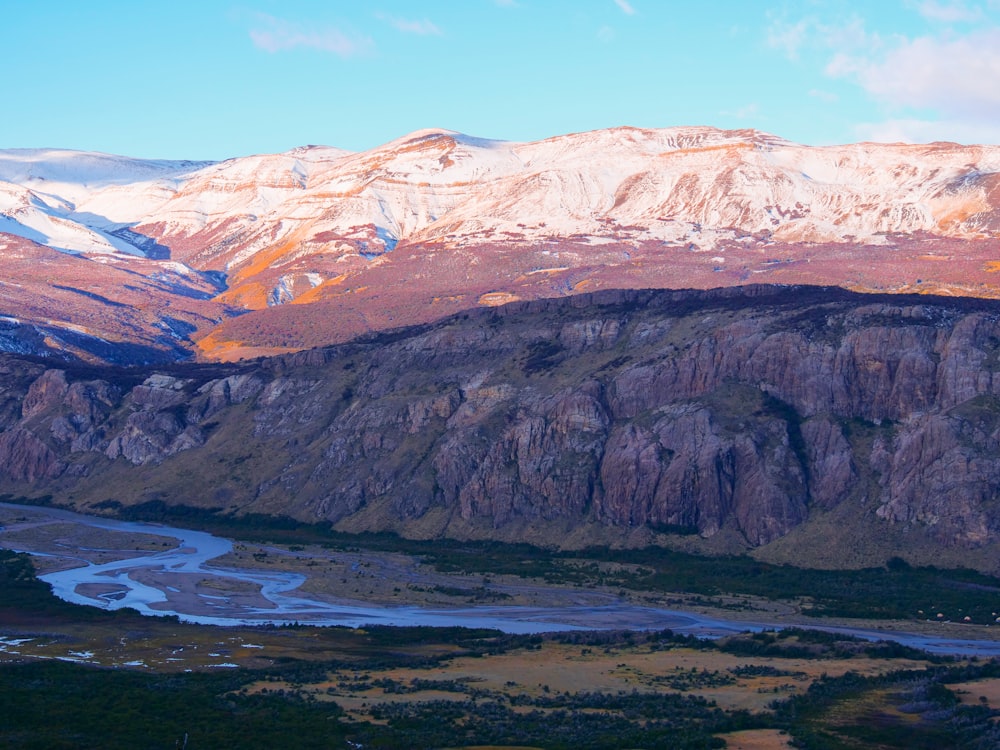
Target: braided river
point(163, 581)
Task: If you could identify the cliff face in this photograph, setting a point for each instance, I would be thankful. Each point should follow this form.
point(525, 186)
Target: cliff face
point(753, 412)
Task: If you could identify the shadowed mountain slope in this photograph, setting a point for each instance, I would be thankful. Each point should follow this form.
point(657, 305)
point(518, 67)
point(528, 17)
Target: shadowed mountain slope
point(761, 417)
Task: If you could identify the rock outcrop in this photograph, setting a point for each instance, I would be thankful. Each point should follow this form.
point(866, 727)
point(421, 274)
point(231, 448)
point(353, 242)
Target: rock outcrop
point(751, 412)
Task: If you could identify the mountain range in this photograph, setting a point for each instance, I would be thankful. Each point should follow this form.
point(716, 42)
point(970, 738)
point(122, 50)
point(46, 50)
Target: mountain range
point(119, 260)
point(812, 425)
point(464, 337)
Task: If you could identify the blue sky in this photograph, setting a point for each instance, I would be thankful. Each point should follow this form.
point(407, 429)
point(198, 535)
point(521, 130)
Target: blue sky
point(210, 79)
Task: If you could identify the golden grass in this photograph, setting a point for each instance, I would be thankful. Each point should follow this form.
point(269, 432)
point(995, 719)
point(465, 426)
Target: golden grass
point(251, 295)
point(320, 291)
point(972, 693)
point(557, 668)
point(495, 299)
point(756, 739)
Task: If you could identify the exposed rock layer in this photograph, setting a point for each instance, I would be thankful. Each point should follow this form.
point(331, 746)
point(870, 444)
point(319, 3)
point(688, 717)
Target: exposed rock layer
point(751, 412)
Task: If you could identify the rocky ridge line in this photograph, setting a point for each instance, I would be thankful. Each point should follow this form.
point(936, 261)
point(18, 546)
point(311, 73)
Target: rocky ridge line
point(749, 414)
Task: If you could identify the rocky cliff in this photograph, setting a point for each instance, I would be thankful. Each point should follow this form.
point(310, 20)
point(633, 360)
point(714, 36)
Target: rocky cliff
point(732, 417)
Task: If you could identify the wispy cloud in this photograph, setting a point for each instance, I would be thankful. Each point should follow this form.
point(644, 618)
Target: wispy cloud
point(791, 37)
point(953, 11)
point(276, 34)
point(626, 7)
point(938, 87)
point(957, 76)
point(944, 85)
point(787, 37)
point(606, 34)
point(421, 27)
point(927, 131)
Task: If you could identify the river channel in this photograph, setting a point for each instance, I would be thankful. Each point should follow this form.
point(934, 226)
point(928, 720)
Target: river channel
point(164, 581)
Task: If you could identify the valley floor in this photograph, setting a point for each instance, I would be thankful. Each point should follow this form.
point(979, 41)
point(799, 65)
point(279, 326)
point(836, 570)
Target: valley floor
point(338, 687)
point(357, 586)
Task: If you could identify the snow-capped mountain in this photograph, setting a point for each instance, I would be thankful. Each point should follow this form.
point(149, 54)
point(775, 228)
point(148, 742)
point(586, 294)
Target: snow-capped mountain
point(436, 221)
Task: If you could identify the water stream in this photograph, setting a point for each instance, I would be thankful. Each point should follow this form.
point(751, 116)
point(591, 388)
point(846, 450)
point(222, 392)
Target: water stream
point(162, 583)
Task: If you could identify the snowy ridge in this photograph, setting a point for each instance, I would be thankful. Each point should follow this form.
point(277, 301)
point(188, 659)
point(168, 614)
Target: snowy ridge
point(26, 214)
point(677, 185)
point(73, 175)
point(109, 258)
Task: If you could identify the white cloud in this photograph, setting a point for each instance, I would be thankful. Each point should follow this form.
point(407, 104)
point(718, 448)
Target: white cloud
point(953, 81)
point(626, 7)
point(928, 131)
point(422, 27)
point(952, 11)
point(606, 34)
point(791, 37)
point(277, 35)
point(944, 85)
point(958, 76)
point(849, 35)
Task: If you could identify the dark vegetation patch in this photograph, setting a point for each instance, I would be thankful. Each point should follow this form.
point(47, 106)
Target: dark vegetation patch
point(542, 356)
point(908, 709)
point(54, 705)
point(803, 643)
point(24, 594)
